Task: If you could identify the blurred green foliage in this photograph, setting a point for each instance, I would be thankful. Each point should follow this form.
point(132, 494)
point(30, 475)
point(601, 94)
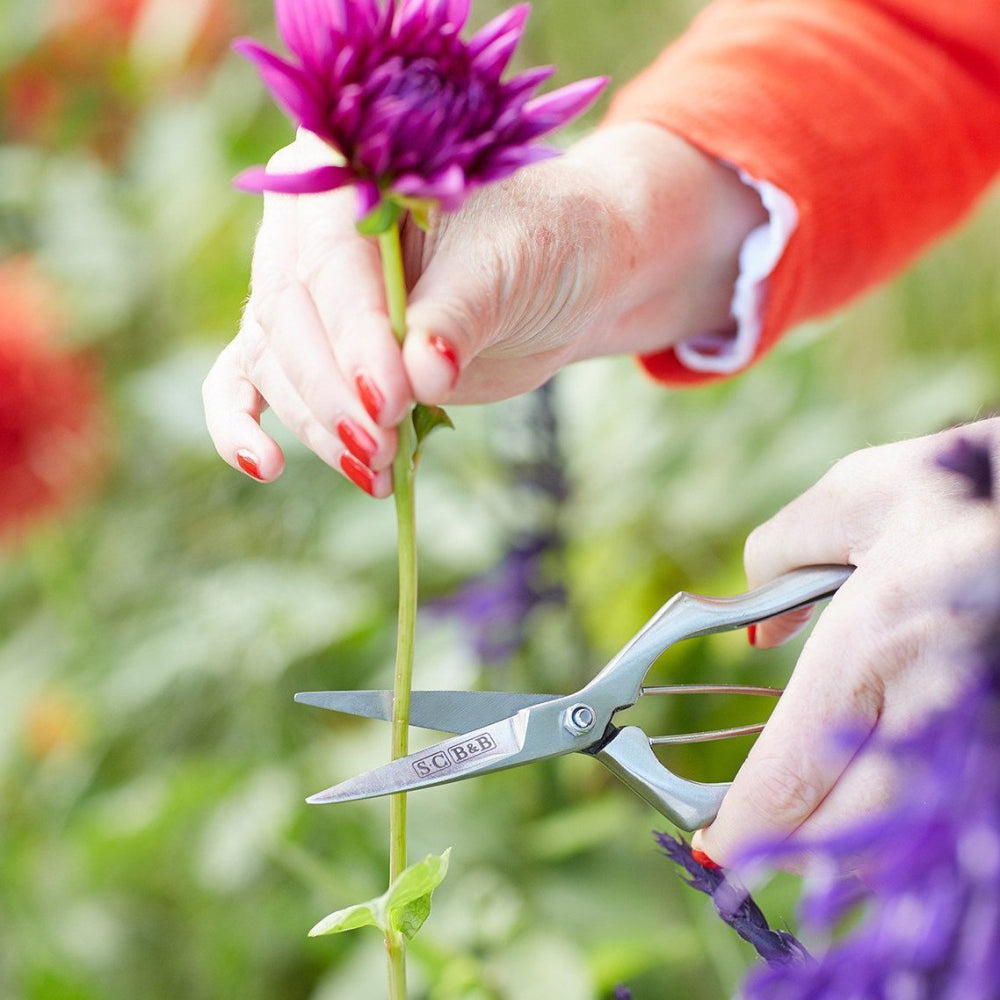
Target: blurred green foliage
point(153, 837)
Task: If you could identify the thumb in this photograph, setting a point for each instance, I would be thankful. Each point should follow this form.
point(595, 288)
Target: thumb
point(444, 363)
point(482, 316)
point(453, 307)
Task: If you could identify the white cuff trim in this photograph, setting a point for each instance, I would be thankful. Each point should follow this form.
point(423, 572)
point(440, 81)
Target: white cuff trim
point(727, 353)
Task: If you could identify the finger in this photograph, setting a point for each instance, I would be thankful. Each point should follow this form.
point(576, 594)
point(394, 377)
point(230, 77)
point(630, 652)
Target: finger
point(342, 271)
point(860, 794)
point(863, 791)
point(283, 306)
point(481, 380)
point(276, 247)
point(830, 706)
point(454, 311)
point(775, 631)
point(232, 414)
point(348, 450)
point(874, 778)
point(300, 346)
point(833, 522)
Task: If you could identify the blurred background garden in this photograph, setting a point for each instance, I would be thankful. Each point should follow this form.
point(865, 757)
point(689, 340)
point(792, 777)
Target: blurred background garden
point(158, 610)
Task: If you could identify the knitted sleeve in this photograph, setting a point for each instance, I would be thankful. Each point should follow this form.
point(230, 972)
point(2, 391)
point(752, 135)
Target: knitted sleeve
point(879, 118)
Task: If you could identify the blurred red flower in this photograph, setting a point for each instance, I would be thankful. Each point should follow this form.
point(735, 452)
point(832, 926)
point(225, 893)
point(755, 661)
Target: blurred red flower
point(52, 424)
point(86, 77)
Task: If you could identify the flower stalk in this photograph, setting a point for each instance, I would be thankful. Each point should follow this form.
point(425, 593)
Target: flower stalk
point(418, 119)
point(404, 479)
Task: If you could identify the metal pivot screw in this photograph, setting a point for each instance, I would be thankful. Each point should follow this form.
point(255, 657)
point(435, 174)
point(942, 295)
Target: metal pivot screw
point(579, 719)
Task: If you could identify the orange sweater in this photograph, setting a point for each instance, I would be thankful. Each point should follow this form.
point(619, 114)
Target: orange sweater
point(881, 119)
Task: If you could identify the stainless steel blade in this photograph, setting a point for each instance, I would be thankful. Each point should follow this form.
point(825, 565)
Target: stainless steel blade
point(444, 711)
point(534, 733)
point(487, 749)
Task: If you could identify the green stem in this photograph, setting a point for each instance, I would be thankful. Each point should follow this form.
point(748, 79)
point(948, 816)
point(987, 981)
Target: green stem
point(403, 475)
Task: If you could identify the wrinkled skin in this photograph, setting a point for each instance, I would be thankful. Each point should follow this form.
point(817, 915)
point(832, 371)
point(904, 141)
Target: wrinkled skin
point(629, 242)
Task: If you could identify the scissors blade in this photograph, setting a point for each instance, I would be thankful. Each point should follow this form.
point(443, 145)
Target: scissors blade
point(444, 711)
point(532, 734)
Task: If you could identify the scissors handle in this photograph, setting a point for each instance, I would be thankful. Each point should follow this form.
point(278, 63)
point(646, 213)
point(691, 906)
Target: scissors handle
point(686, 616)
point(688, 804)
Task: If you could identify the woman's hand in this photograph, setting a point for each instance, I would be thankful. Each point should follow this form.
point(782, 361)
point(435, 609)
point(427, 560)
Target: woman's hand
point(888, 649)
point(629, 242)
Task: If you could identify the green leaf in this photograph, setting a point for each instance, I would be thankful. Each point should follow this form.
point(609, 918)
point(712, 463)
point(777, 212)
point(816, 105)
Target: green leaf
point(401, 909)
point(408, 900)
point(367, 914)
point(380, 219)
point(427, 419)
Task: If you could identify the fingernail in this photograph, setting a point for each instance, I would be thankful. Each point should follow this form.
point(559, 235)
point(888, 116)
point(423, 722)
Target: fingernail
point(248, 463)
point(371, 398)
point(446, 350)
point(357, 440)
point(358, 473)
point(752, 634)
point(703, 859)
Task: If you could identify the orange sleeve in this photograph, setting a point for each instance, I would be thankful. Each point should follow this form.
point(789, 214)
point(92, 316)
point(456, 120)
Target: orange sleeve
point(880, 119)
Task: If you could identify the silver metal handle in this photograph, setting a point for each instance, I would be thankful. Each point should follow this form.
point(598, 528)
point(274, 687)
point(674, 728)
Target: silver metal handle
point(686, 616)
point(688, 804)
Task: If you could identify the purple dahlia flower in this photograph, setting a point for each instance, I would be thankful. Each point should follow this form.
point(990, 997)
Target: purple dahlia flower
point(414, 112)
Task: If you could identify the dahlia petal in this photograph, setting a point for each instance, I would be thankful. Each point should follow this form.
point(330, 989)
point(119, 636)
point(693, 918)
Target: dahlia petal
point(412, 15)
point(368, 11)
point(492, 60)
point(519, 87)
point(383, 74)
point(506, 161)
point(467, 150)
point(314, 181)
point(387, 17)
point(375, 153)
point(458, 13)
point(432, 12)
point(343, 63)
point(290, 86)
point(347, 116)
point(448, 188)
point(556, 108)
point(511, 20)
point(392, 85)
point(304, 28)
point(368, 196)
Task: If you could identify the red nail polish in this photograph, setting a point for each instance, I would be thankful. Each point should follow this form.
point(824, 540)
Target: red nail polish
point(358, 473)
point(357, 441)
point(445, 349)
point(249, 465)
point(703, 859)
point(371, 398)
point(752, 634)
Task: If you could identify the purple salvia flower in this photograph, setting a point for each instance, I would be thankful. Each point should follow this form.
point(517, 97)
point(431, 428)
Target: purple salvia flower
point(623, 993)
point(493, 609)
point(971, 459)
point(734, 905)
point(929, 928)
point(414, 112)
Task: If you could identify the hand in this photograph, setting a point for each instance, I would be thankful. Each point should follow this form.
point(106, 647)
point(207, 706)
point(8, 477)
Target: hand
point(886, 652)
point(628, 242)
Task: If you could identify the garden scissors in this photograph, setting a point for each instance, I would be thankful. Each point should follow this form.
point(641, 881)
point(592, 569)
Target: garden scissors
point(497, 730)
